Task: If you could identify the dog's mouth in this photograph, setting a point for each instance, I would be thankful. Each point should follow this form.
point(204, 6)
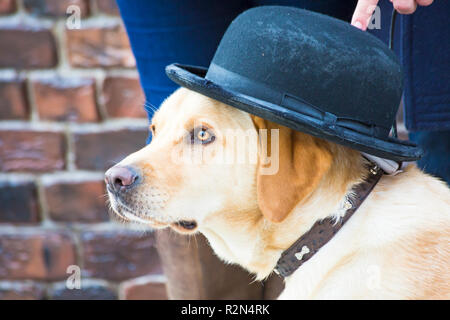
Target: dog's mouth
point(182, 226)
point(131, 217)
point(185, 226)
point(127, 214)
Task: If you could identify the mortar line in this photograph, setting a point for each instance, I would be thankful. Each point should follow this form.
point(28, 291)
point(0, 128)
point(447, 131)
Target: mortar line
point(43, 208)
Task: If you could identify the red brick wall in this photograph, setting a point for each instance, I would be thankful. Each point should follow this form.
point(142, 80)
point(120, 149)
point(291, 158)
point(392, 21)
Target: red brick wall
point(70, 107)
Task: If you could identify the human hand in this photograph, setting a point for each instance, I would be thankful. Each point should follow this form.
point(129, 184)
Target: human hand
point(365, 8)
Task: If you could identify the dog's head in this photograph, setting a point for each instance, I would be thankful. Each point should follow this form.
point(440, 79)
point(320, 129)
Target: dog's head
point(208, 162)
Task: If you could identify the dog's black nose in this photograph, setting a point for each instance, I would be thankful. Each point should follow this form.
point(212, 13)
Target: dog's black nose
point(118, 178)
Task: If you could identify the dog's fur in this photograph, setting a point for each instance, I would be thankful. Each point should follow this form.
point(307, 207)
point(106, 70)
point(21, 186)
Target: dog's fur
point(396, 245)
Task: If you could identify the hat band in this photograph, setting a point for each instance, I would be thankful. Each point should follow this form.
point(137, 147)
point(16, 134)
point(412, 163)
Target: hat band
point(236, 82)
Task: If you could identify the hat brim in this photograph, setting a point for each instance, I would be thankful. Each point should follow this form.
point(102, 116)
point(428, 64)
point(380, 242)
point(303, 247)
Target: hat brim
point(193, 78)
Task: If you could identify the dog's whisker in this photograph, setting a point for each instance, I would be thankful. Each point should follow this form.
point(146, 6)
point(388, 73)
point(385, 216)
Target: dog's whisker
point(254, 280)
point(196, 242)
point(150, 106)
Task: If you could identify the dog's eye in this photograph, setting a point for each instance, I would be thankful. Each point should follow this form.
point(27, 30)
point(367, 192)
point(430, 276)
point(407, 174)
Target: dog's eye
point(153, 129)
point(202, 135)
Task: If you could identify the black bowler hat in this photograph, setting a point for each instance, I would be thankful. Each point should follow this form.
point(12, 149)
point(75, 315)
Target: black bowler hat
point(309, 72)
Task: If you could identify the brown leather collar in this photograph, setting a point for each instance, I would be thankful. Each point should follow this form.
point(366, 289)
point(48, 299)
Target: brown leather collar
point(322, 231)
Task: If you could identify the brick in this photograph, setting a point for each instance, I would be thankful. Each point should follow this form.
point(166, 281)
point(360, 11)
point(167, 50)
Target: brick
point(99, 47)
point(7, 6)
point(108, 7)
point(33, 151)
point(28, 48)
point(143, 288)
point(119, 255)
point(19, 202)
point(66, 99)
point(123, 97)
point(55, 8)
point(99, 151)
point(35, 254)
point(77, 202)
point(21, 291)
point(95, 291)
point(13, 101)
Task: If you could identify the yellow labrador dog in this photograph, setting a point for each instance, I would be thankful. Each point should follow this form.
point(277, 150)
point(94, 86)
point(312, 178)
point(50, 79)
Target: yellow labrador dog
point(395, 246)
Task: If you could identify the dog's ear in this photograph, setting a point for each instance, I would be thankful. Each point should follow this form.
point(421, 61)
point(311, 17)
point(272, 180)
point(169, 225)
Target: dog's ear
point(303, 160)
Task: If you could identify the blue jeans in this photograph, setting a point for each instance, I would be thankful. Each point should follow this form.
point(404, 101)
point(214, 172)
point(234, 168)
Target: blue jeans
point(436, 160)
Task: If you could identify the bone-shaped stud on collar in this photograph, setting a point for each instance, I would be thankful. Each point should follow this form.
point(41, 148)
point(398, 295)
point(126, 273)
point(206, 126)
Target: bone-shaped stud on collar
point(299, 255)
